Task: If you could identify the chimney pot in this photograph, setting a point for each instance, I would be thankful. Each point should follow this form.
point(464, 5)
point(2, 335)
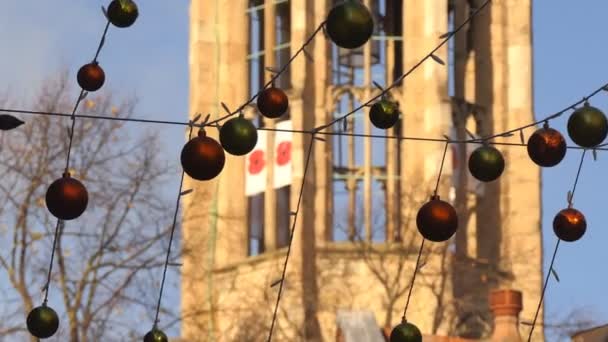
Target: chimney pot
point(506, 302)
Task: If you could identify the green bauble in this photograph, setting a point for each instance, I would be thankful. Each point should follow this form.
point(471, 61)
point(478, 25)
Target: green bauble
point(587, 126)
point(349, 25)
point(486, 163)
point(238, 136)
point(384, 114)
point(156, 335)
point(42, 322)
point(122, 13)
point(406, 332)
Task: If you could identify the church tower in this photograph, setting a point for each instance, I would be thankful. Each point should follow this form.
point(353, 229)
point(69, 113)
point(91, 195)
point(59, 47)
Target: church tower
point(355, 242)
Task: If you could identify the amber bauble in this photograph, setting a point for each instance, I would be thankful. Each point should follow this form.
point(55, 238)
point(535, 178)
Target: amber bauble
point(384, 114)
point(486, 163)
point(569, 224)
point(587, 126)
point(67, 198)
point(437, 220)
point(349, 25)
point(547, 147)
point(238, 136)
point(273, 102)
point(42, 322)
point(122, 13)
point(91, 77)
point(155, 335)
point(203, 158)
point(406, 332)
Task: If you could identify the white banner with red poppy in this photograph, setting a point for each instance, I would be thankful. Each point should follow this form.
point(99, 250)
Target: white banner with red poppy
point(282, 154)
point(255, 167)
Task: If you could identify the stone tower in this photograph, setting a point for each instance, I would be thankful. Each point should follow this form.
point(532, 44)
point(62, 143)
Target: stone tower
point(355, 241)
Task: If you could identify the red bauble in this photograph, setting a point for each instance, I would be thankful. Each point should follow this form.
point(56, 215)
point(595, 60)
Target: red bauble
point(547, 147)
point(67, 198)
point(91, 77)
point(203, 158)
point(273, 102)
point(437, 220)
point(569, 224)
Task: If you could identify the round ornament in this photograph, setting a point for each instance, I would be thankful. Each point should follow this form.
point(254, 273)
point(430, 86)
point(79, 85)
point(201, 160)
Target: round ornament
point(238, 136)
point(156, 335)
point(91, 77)
point(384, 114)
point(273, 102)
point(587, 126)
point(569, 224)
point(349, 24)
point(202, 157)
point(42, 322)
point(486, 163)
point(122, 13)
point(547, 147)
point(406, 332)
point(437, 220)
point(67, 198)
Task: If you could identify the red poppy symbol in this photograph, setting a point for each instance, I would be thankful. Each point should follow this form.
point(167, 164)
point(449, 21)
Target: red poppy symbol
point(283, 153)
point(256, 162)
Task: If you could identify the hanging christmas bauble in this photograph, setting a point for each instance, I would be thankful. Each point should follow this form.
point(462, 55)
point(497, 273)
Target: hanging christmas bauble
point(437, 220)
point(486, 163)
point(569, 224)
point(238, 136)
point(42, 322)
point(406, 332)
point(349, 24)
point(272, 102)
point(203, 158)
point(384, 114)
point(91, 77)
point(547, 147)
point(156, 335)
point(122, 13)
point(587, 126)
point(67, 198)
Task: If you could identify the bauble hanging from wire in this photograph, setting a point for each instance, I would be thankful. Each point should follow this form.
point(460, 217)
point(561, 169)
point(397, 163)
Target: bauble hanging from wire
point(91, 77)
point(486, 163)
point(349, 24)
point(156, 335)
point(569, 224)
point(238, 136)
point(122, 13)
point(405, 332)
point(587, 126)
point(42, 322)
point(384, 114)
point(67, 198)
point(272, 102)
point(437, 220)
point(547, 146)
point(203, 157)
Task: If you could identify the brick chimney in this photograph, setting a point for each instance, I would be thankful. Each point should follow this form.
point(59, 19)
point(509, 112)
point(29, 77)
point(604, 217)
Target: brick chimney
point(506, 306)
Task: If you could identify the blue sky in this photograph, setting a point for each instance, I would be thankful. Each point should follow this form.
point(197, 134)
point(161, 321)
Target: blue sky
point(150, 60)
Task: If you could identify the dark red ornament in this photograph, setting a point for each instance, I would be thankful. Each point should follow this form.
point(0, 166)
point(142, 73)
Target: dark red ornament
point(42, 322)
point(569, 224)
point(384, 114)
point(437, 220)
point(587, 126)
point(406, 332)
point(273, 102)
point(486, 163)
point(122, 13)
point(203, 158)
point(91, 77)
point(547, 147)
point(67, 198)
point(349, 24)
point(238, 136)
point(156, 335)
